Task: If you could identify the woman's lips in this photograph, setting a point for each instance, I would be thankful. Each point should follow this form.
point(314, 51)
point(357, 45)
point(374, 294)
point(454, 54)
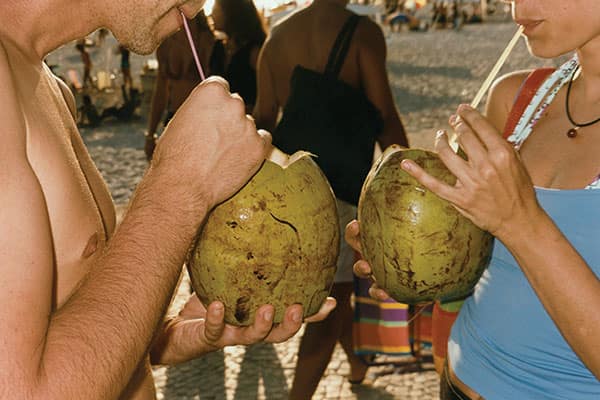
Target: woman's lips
point(529, 25)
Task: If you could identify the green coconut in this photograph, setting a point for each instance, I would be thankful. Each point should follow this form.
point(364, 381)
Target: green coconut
point(275, 242)
point(419, 246)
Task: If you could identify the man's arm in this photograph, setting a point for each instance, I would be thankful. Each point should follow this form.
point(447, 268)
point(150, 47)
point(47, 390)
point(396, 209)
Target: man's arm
point(266, 108)
point(91, 347)
point(374, 79)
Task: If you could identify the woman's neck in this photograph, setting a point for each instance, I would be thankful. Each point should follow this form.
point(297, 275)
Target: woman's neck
point(589, 59)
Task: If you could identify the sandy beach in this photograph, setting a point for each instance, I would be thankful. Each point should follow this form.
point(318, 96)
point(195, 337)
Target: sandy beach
point(430, 73)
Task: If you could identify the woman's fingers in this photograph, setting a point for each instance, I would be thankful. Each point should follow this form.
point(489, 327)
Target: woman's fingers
point(438, 187)
point(481, 128)
point(352, 235)
point(362, 269)
point(377, 293)
point(456, 164)
point(327, 307)
point(468, 140)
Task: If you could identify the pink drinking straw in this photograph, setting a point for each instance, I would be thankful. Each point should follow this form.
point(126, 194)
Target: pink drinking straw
point(189, 36)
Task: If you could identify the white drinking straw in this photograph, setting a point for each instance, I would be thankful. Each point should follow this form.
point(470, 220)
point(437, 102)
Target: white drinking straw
point(490, 78)
point(492, 75)
point(191, 41)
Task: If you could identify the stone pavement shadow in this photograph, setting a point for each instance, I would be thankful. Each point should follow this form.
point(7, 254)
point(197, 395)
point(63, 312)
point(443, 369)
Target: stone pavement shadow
point(261, 361)
point(199, 379)
point(366, 392)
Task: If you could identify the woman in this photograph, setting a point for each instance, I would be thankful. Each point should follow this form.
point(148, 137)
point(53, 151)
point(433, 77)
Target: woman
point(530, 330)
point(240, 21)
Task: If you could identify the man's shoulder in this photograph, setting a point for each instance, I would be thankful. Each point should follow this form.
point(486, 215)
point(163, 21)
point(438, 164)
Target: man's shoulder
point(6, 73)
point(3, 51)
point(11, 113)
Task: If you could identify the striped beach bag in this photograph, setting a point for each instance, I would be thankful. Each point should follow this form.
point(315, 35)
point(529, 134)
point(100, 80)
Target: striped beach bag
point(389, 328)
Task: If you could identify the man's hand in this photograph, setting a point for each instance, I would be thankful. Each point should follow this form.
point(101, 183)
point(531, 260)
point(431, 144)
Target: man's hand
point(362, 269)
point(198, 330)
point(211, 146)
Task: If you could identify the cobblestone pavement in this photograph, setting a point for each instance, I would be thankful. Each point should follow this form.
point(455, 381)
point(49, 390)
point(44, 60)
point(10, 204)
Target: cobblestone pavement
point(430, 73)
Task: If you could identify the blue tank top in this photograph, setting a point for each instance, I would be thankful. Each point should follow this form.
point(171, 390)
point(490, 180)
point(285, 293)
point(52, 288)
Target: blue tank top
point(503, 344)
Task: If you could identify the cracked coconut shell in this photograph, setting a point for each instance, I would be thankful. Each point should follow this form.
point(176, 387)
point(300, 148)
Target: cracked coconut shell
point(419, 246)
point(274, 242)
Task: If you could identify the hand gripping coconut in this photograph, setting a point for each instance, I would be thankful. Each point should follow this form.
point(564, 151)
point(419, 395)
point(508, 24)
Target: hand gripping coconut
point(274, 242)
point(419, 246)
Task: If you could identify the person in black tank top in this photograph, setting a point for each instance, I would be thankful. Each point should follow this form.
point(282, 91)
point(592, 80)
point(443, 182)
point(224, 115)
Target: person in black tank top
point(324, 68)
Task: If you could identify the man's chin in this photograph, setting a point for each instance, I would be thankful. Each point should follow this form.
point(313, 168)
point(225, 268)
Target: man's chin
point(142, 48)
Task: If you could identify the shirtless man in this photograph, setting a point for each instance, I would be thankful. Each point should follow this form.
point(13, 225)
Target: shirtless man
point(82, 301)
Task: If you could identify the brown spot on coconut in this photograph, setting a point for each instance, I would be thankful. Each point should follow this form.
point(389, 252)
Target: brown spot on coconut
point(419, 246)
point(271, 243)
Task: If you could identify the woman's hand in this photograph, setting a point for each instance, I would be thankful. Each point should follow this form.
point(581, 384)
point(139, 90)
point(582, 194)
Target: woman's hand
point(362, 269)
point(493, 189)
point(198, 330)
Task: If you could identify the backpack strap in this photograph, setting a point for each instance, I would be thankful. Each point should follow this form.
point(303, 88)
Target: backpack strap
point(341, 46)
point(528, 89)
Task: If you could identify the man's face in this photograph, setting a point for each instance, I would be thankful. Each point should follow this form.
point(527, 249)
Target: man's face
point(141, 25)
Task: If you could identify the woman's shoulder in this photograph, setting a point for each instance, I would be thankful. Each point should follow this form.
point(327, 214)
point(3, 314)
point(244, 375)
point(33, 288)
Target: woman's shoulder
point(502, 96)
point(507, 86)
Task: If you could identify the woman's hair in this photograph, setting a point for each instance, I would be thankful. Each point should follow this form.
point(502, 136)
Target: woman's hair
point(242, 22)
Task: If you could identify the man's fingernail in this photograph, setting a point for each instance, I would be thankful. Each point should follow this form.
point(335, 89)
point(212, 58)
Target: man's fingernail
point(217, 309)
point(440, 133)
point(268, 315)
point(406, 165)
point(296, 316)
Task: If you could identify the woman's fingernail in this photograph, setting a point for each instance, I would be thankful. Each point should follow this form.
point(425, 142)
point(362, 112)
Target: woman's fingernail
point(453, 119)
point(440, 134)
point(406, 165)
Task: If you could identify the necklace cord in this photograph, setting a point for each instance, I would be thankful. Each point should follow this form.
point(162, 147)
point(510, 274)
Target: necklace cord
point(567, 104)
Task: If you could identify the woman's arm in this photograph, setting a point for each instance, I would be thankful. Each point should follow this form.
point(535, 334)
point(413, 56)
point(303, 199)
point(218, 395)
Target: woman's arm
point(495, 191)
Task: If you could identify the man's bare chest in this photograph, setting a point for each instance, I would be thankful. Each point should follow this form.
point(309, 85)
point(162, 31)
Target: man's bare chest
point(78, 204)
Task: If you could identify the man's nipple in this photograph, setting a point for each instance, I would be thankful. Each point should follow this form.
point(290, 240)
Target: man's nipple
point(91, 246)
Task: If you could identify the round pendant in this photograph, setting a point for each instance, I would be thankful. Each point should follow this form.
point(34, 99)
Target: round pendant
point(571, 133)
